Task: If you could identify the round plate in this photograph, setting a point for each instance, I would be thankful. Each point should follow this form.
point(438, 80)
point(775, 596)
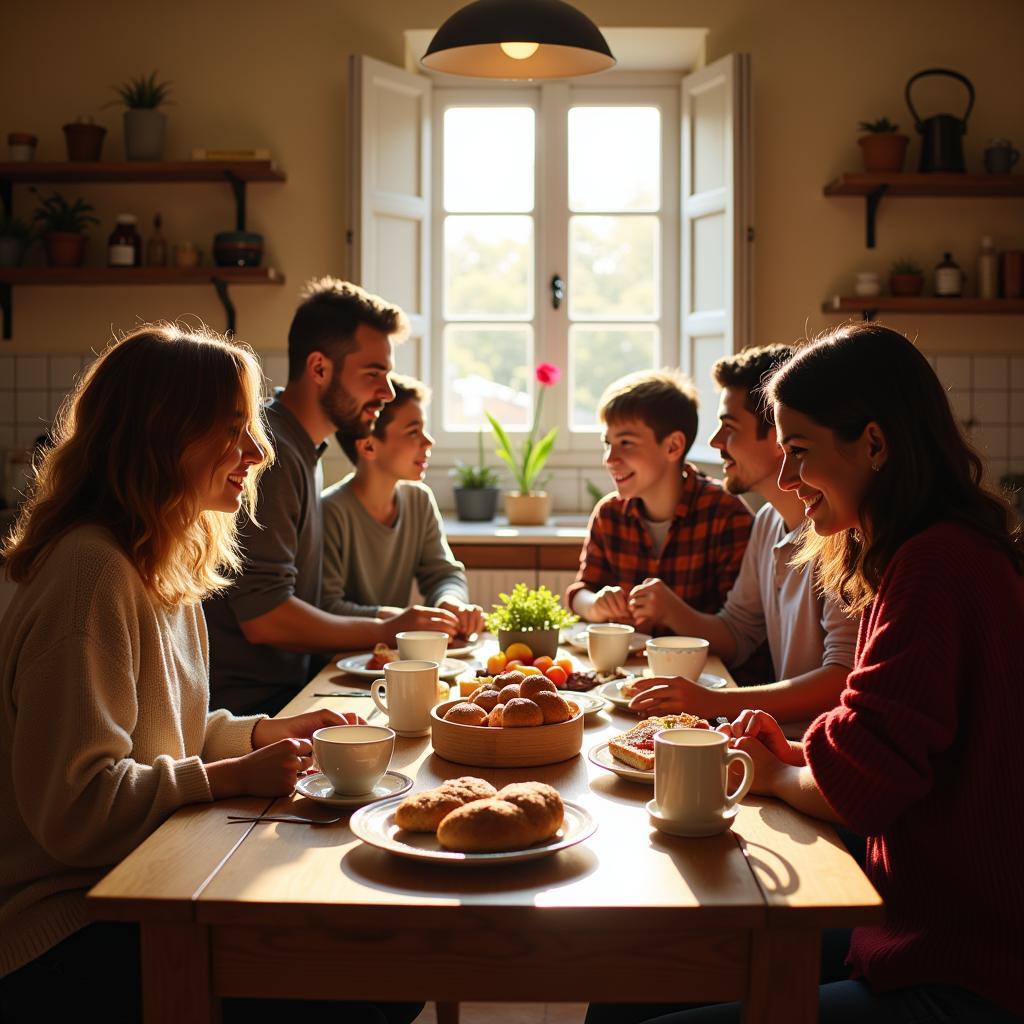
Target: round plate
point(589, 703)
point(355, 664)
point(613, 691)
point(318, 787)
point(463, 649)
point(576, 636)
point(375, 824)
point(676, 828)
point(711, 681)
point(602, 757)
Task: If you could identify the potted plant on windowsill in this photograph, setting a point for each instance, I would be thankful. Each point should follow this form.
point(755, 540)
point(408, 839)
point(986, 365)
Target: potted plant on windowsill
point(62, 225)
point(905, 278)
point(527, 506)
point(144, 124)
point(531, 617)
point(476, 496)
point(882, 148)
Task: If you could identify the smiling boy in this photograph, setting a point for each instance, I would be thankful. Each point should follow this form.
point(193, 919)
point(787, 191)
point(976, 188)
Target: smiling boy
point(382, 527)
point(667, 529)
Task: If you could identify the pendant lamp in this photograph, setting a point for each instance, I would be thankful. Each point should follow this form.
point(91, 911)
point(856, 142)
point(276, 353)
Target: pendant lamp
point(518, 39)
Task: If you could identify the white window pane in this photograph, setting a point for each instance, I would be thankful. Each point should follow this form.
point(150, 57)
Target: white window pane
point(488, 159)
point(487, 368)
point(488, 267)
point(600, 354)
point(613, 267)
point(709, 263)
point(614, 158)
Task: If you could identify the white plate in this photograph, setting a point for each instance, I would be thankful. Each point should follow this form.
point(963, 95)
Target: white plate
point(576, 636)
point(676, 828)
point(613, 691)
point(463, 650)
point(711, 681)
point(318, 787)
point(602, 757)
point(375, 824)
point(589, 703)
point(355, 664)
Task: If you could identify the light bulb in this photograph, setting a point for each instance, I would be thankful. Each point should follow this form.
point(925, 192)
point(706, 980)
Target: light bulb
point(519, 51)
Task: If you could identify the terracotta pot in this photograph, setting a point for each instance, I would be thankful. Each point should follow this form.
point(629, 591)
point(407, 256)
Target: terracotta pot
point(540, 641)
point(883, 152)
point(906, 284)
point(64, 248)
point(531, 509)
point(84, 141)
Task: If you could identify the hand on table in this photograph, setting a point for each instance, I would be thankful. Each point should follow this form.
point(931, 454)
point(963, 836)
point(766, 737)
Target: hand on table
point(654, 603)
point(418, 617)
point(269, 730)
point(470, 616)
point(611, 605)
point(759, 735)
point(669, 695)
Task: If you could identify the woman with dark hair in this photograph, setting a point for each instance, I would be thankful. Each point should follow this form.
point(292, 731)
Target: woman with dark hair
point(104, 670)
point(921, 755)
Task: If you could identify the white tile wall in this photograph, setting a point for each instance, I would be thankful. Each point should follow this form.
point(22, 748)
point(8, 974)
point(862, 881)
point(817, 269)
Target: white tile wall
point(986, 391)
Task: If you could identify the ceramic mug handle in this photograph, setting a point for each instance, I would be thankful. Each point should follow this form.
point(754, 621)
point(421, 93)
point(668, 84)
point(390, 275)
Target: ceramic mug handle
point(375, 688)
point(748, 775)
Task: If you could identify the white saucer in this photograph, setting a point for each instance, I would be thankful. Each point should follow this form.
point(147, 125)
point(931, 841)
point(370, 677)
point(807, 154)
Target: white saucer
point(613, 691)
point(711, 681)
point(589, 703)
point(318, 787)
point(355, 665)
point(676, 828)
point(462, 649)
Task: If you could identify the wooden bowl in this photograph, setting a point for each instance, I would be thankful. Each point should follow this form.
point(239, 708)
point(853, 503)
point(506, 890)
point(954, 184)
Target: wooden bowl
point(485, 747)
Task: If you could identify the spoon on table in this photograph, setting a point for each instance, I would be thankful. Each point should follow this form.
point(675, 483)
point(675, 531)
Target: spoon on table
point(288, 819)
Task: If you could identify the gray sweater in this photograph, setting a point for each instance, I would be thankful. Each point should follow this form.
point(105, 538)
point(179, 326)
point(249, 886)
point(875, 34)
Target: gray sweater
point(367, 564)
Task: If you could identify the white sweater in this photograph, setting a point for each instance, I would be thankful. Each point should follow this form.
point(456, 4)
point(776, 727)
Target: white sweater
point(104, 729)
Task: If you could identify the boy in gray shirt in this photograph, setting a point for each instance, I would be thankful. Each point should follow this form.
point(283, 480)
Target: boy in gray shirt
point(382, 527)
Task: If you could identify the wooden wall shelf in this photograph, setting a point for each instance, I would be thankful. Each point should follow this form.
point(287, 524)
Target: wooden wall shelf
point(127, 171)
point(138, 275)
point(922, 305)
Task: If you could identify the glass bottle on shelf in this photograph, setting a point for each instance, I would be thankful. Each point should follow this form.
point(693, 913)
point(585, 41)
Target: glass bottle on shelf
point(988, 270)
point(156, 246)
point(949, 278)
point(124, 247)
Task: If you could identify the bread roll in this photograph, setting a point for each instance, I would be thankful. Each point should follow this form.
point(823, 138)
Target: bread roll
point(487, 699)
point(508, 692)
point(521, 712)
point(483, 688)
point(423, 812)
point(466, 714)
point(522, 814)
point(553, 706)
point(533, 685)
point(504, 678)
point(494, 718)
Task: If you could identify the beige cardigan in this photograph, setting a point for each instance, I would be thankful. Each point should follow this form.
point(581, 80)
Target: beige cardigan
point(104, 729)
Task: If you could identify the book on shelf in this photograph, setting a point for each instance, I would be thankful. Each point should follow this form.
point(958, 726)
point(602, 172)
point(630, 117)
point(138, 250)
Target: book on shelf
point(254, 153)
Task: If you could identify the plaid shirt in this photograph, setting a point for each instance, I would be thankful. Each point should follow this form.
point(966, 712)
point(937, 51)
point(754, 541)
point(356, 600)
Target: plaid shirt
point(701, 556)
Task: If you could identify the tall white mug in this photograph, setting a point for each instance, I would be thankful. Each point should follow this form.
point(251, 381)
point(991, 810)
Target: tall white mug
point(410, 689)
point(691, 768)
point(608, 645)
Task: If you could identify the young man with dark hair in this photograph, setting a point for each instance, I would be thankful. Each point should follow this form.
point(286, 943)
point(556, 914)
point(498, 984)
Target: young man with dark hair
point(382, 527)
point(668, 528)
point(264, 628)
point(810, 637)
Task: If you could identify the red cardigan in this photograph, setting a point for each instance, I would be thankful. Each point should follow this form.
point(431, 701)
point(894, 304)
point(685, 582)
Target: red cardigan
point(923, 756)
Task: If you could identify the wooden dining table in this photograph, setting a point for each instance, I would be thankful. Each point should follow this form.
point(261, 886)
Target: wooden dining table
point(278, 910)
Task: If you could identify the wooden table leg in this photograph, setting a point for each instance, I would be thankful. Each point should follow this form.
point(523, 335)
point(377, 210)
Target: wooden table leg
point(447, 1013)
point(176, 980)
point(784, 970)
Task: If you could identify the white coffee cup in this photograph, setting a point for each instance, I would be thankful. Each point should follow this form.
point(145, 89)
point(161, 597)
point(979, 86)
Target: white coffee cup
point(353, 757)
point(691, 768)
point(422, 645)
point(677, 656)
point(608, 645)
point(411, 690)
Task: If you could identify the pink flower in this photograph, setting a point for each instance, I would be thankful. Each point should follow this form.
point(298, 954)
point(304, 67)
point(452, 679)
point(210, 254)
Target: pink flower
point(548, 374)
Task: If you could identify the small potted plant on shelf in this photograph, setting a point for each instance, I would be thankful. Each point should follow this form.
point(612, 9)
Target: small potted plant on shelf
point(527, 506)
point(905, 278)
point(882, 148)
point(476, 496)
point(144, 124)
point(531, 617)
point(15, 237)
point(62, 225)
point(84, 140)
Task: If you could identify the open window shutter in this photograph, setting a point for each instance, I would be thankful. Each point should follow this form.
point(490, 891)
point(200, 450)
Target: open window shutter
point(389, 239)
point(716, 234)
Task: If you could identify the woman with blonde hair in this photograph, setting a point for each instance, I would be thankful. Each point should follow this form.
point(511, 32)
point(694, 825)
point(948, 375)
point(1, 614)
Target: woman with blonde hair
point(104, 671)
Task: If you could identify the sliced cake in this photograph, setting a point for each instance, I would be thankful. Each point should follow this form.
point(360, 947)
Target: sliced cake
point(636, 747)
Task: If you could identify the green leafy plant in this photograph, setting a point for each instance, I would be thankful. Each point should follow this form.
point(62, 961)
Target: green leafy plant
point(905, 266)
point(55, 213)
point(142, 93)
point(882, 125)
point(13, 227)
point(528, 609)
point(594, 492)
point(527, 463)
point(477, 476)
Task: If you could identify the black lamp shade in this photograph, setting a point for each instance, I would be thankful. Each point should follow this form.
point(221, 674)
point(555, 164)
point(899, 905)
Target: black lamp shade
point(468, 43)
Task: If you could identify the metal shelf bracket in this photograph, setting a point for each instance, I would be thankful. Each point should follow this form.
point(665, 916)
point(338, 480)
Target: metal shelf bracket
point(238, 187)
point(221, 287)
point(873, 198)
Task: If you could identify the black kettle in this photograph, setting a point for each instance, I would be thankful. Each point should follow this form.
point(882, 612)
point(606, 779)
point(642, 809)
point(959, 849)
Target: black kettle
point(942, 147)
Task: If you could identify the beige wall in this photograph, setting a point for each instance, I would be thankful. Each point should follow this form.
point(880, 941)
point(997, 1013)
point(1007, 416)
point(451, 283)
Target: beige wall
point(262, 72)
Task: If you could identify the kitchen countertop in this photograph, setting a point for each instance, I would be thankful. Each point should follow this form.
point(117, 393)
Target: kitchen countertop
point(567, 529)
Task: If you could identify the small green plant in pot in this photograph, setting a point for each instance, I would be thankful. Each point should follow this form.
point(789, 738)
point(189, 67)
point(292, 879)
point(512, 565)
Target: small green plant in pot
point(15, 238)
point(144, 124)
point(905, 278)
point(476, 491)
point(882, 147)
point(531, 617)
point(62, 225)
